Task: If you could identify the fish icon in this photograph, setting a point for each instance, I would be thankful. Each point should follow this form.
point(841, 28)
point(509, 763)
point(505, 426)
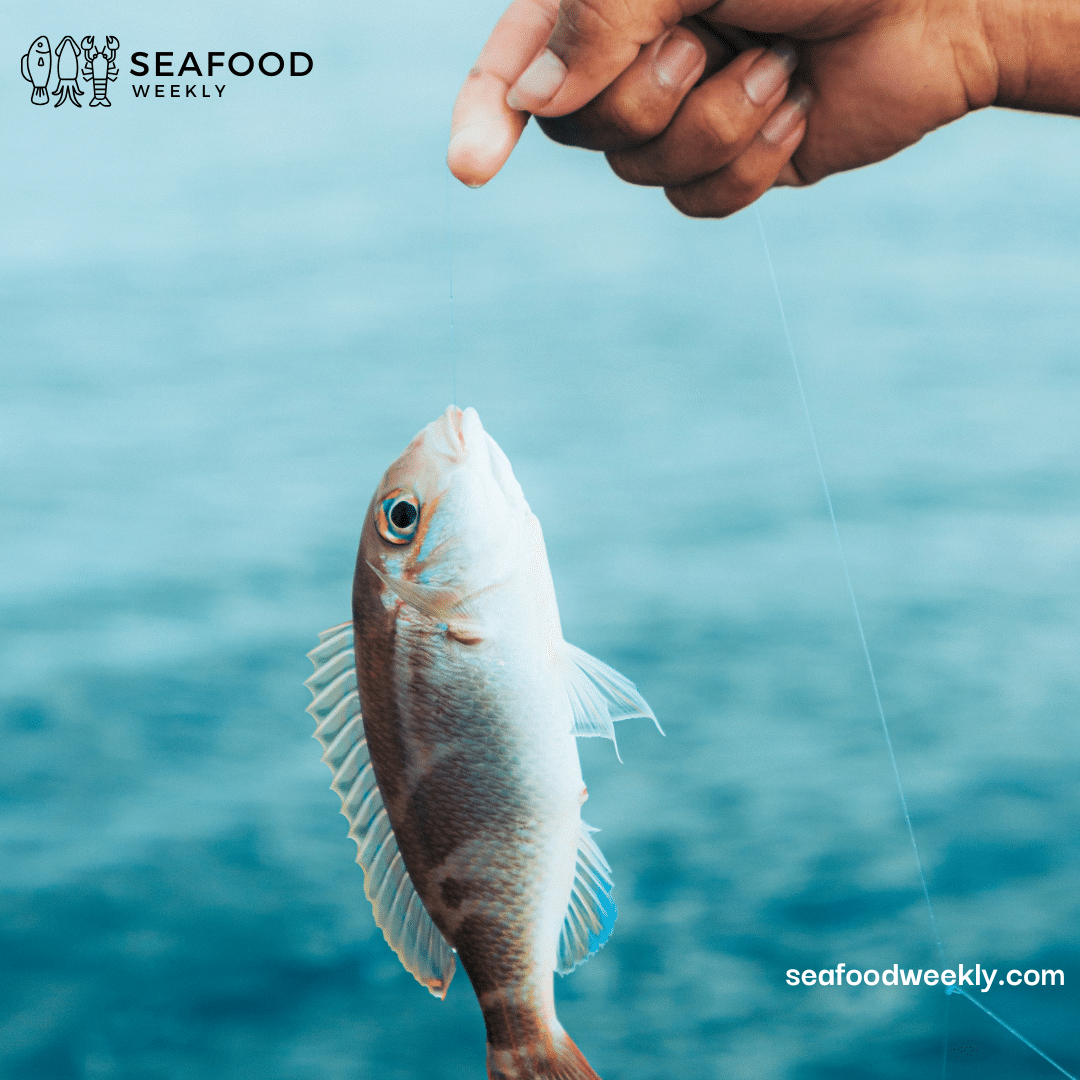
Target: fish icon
point(37, 69)
point(448, 710)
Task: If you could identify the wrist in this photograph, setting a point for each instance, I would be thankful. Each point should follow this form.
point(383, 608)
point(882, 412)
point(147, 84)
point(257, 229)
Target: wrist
point(1034, 45)
point(972, 32)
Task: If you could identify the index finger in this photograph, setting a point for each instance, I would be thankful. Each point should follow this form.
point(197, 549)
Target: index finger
point(593, 42)
point(484, 128)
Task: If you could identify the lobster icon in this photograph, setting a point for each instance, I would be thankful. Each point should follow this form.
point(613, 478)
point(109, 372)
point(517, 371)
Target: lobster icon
point(99, 67)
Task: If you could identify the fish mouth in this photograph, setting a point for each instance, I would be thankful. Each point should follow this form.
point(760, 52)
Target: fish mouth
point(455, 434)
point(454, 419)
point(459, 437)
point(465, 428)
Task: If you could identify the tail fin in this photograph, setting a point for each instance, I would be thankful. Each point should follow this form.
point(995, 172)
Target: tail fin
point(557, 1059)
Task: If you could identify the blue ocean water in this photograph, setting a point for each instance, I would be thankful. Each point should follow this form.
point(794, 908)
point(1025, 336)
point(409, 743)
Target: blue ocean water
point(223, 318)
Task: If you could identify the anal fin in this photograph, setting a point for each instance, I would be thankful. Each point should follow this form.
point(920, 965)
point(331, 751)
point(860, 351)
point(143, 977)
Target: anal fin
point(590, 916)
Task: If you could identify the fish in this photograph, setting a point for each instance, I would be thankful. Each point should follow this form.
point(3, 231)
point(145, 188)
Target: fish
point(448, 709)
point(37, 69)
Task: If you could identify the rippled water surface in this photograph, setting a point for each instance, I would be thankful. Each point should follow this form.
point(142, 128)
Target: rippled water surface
point(222, 319)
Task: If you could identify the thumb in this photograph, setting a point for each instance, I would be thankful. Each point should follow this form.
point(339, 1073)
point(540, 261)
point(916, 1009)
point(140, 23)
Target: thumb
point(592, 43)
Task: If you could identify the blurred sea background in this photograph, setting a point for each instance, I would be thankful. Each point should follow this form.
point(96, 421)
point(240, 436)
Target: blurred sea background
point(223, 318)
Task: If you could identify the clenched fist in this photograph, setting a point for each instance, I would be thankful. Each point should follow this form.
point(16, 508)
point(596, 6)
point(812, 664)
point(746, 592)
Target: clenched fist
point(718, 102)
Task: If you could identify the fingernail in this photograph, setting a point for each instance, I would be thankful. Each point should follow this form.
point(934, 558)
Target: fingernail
point(788, 117)
point(769, 72)
point(538, 83)
point(677, 60)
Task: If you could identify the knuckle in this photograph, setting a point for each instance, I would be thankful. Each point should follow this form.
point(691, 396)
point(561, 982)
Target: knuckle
point(740, 185)
point(803, 176)
point(572, 130)
point(630, 120)
point(582, 20)
point(716, 196)
point(722, 129)
point(687, 202)
point(625, 166)
point(615, 120)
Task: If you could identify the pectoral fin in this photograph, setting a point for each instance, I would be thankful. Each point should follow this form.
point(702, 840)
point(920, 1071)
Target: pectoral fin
point(599, 695)
point(442, 605)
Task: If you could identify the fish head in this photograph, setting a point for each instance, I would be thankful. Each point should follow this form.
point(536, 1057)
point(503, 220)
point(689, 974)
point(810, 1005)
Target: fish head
point(40, 48)
point(449, 512)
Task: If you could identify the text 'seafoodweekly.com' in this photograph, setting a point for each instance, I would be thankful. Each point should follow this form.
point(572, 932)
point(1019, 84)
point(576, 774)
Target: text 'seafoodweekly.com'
point(978, 977)
point(62, 75)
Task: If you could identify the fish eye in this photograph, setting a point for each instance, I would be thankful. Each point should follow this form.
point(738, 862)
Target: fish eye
point(398, 516)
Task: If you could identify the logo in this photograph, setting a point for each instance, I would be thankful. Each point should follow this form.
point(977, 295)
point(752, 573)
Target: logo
point(64, 74)
point(98, 69)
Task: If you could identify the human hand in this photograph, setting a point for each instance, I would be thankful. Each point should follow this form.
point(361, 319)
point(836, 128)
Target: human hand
point(653, 83)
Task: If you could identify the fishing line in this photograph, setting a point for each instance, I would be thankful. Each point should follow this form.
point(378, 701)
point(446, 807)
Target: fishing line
point(869, 662)
point(450, 271)
point(1030, 1045)
point(847, 580)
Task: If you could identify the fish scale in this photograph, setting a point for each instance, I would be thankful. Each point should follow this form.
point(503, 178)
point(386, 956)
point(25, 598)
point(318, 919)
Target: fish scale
point(449, 713)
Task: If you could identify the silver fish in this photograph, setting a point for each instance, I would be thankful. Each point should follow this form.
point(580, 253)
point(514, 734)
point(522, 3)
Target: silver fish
point(461, 779)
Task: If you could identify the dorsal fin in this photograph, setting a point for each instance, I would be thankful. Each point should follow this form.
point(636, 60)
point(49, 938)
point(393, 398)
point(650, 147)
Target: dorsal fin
point(590, 916)
point(399, 912)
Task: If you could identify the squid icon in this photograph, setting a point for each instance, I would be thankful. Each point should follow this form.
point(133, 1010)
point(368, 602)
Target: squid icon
point(37, 69)
point(98, 67)
point(67, 73)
